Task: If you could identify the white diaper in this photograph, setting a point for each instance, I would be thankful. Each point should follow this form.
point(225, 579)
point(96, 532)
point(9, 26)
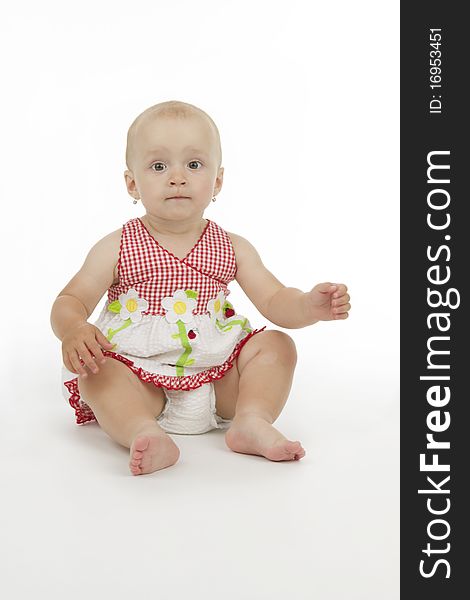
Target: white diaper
point(191, 412)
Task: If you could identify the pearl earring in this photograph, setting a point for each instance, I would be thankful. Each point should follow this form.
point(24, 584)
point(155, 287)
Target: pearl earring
point(134, 201)
point(214, 199)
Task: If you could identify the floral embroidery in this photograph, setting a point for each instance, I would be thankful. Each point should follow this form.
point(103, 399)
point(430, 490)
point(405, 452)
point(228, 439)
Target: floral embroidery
point(180, 306)
point(215, 306)
point(221, 310)
point(130, 308)
point(179, 309)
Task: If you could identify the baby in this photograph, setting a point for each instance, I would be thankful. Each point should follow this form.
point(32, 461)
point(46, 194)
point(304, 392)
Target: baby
point(169, 353)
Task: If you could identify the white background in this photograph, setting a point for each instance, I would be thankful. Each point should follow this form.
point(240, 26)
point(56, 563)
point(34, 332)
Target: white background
point(305, 95)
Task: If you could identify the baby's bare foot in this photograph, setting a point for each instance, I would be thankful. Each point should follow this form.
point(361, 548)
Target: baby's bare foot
point(251, 434)
point(151, 450)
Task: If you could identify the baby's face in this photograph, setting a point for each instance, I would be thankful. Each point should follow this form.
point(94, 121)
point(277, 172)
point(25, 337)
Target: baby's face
point(174, 157)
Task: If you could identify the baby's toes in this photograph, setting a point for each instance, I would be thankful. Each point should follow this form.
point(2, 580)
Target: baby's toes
point(135, 465)
point(284, 450)
point(293, 449)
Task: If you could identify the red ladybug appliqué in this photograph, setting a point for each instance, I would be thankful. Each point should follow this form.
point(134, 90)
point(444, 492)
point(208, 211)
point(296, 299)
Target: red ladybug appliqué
point(229, 312)
point(191, 334)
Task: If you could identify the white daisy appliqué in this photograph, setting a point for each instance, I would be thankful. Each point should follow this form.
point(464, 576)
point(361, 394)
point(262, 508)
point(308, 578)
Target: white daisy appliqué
point(132, 306)
point(180, 306)
point(216, 307)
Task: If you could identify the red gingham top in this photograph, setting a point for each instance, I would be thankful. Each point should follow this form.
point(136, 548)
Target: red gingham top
point(156, 273)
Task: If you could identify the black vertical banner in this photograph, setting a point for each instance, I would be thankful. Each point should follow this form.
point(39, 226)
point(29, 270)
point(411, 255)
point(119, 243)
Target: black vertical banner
point(435, 332)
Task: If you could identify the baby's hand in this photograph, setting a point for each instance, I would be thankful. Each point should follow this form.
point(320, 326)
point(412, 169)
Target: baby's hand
point(81, 347)
point(329, 301)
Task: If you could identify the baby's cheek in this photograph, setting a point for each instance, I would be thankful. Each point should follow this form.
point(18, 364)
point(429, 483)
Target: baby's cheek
point(207, 187)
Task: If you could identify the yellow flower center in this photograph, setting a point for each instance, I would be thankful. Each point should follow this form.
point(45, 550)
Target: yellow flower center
point(217, 305)
point(131, 304)
point(179, 308)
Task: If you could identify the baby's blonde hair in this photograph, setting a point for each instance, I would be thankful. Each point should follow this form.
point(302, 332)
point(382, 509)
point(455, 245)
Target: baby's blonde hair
point(170, 108)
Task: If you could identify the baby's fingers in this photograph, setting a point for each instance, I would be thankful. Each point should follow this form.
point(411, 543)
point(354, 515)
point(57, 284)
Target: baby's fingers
point(87, 358)
point(96, 351)
point(74, 364)
point(341, 310)
point(103, 341)
point(341, 301)
point(68, 365)
point(341, 291)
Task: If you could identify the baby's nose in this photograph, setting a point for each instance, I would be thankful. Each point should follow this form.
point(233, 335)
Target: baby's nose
point(177, 176)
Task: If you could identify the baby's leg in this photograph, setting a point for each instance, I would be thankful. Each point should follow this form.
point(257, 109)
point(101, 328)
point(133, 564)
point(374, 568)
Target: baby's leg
point(126, 409)
point(253, 394)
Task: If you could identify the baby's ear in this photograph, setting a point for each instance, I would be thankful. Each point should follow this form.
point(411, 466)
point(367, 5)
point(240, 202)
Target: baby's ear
point(219, 179)
point(130, 182)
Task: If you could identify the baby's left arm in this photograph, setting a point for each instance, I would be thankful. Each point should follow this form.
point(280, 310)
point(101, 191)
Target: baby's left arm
point(284, 306)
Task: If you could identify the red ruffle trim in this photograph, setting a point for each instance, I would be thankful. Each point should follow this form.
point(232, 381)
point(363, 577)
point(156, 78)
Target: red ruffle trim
point(84, 414)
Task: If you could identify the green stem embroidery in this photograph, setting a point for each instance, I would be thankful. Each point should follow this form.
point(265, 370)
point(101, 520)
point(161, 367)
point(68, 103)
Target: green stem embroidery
point(183, 359)
point(112, 332)
point(228, 326)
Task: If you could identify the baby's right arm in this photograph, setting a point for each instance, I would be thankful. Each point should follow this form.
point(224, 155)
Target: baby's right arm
point(82, 341)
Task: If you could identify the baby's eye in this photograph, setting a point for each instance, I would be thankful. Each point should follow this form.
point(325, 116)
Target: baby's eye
point(194, 162)
point(156, 165)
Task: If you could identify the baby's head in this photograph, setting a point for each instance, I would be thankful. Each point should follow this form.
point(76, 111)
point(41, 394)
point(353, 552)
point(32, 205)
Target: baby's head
point(173, 147)
point(172, 109)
